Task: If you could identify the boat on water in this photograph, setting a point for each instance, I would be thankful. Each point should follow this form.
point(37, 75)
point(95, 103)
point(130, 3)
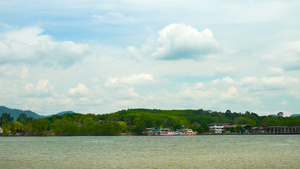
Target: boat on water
point(167, 132)
point(187, 132)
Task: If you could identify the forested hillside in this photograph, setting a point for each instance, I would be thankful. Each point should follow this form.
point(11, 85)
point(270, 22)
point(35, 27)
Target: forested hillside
point(135, 121)
point(15, 113)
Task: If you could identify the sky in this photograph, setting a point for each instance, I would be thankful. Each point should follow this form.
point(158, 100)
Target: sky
point(101, 56)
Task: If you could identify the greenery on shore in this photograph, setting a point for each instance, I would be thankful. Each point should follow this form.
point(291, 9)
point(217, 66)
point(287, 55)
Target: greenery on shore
point(134, 121)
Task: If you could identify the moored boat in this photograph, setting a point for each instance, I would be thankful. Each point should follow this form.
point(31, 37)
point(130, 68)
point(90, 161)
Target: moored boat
point(167, 132)
point(187, 132)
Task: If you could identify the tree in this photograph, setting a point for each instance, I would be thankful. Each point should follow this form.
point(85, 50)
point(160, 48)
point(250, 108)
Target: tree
point(200, 129)
point(228, 112)
point(244, 120)
point(5, 117)
point(65, 127)
point(194, 126)
point(22, 118)
point(18, 127)
point(205, 126)
point(140, 126)
point(239, 129)
point(29, 120)
point(41, 126)
point(6, 129)
point(232, 129)
point(122, 126)
point(280, 114)
point(176, 126)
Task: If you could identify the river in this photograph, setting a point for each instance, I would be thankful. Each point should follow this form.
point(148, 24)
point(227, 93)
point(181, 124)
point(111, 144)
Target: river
point(204, 151)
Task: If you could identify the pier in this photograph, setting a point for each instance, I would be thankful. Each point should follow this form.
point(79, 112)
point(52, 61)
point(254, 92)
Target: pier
point(284, 129)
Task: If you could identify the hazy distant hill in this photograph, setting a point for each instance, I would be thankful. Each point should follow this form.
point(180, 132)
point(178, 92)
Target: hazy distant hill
point(60, 113)
point(65, 112)
point(16, 112)
point(273, 115)
point(295, 115)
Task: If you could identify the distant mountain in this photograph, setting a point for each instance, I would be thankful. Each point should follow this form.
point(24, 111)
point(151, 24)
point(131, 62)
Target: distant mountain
point(295, 115)
point(65, 112)
point(60, 113)
point(273, 115)
point(15, 113)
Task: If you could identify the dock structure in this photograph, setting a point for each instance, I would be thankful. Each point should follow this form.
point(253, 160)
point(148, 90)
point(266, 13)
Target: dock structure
point(284, 129)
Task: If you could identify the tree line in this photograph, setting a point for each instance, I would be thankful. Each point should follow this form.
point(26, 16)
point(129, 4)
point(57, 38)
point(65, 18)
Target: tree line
point(134, 121)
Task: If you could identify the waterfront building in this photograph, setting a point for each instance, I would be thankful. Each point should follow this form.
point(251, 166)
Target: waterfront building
point(217, 127)
point(225, 127)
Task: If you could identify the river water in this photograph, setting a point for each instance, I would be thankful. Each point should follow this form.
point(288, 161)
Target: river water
point(216, 151)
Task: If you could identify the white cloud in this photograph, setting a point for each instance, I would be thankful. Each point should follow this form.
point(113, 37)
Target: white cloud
point(111, 82)
point(124, 103)
point(129, 92)
point(284, 57)
point(79, 91)
point(43, 88)
point(228, 69)
point(134, 53)
point(230, 93)
point(241, 72)
point(275, 70)
point(113, 18)
point(250, 80)
point(224, 80)
point(179, 41)
point(284, 103)
point(140, 79)
point(291, 53)
point(279, 81)
point(30, 45)
point(195, 91)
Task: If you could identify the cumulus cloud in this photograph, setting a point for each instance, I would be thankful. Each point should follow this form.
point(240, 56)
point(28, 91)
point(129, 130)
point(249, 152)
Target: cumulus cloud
point(224, 80)
point(129, 92)
point(179, 41)
point(279, 81)
point(30, 45)
point(230, 93)
point(134, 79)
point(195, 91)
point(79, 91)
point(138, 79)
point(43, 88)
point(249, 80)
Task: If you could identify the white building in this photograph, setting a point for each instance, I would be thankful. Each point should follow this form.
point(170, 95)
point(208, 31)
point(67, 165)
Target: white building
point(1, 130)
point(218, 128)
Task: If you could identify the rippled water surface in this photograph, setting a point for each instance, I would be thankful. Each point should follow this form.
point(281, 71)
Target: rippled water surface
point(246, 151)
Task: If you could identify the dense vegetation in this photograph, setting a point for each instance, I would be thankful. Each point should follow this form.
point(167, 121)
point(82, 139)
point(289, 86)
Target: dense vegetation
point(135, 121)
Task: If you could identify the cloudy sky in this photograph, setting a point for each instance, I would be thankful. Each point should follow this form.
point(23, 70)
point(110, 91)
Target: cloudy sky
point(101, 56)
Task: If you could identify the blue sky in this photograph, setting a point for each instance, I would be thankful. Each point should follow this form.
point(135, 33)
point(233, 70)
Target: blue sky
point(103, 56)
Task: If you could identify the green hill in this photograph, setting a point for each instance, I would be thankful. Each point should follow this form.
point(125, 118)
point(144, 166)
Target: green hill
point(16, 112)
